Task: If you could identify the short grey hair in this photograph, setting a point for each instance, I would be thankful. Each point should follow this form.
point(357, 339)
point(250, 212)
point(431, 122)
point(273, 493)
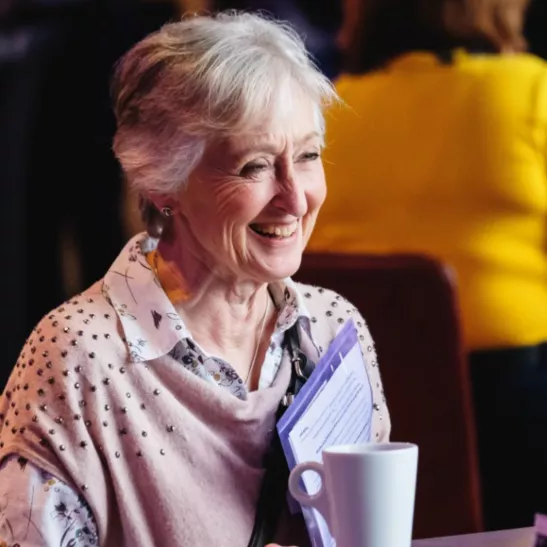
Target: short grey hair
point(204, 77)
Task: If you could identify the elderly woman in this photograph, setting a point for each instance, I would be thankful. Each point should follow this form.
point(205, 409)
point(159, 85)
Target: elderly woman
point(140, 412)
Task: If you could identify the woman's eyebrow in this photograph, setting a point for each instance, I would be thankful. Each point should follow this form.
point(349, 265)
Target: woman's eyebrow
point(267, 146)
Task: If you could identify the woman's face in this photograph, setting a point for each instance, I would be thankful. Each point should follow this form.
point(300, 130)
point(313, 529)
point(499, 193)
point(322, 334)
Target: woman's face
point(250, 205)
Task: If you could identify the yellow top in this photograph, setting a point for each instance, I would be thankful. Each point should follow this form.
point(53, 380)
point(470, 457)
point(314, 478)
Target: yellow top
point(449, 160)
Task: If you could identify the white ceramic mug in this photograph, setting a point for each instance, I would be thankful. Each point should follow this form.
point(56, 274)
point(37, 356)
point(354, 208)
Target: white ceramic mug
point(367, 493)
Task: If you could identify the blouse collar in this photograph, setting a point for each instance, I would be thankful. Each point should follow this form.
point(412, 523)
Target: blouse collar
point(152, 327)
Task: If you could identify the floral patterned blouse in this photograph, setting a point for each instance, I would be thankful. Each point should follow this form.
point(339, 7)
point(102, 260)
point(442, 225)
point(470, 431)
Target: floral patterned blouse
point(36, 509)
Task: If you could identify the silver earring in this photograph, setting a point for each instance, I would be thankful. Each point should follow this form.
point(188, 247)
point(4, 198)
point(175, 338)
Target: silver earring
point(166, 211)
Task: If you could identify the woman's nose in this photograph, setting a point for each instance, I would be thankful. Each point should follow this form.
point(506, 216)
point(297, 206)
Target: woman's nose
point(291, 196)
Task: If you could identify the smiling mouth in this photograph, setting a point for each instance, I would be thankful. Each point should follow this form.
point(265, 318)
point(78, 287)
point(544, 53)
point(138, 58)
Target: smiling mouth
point(275, 231)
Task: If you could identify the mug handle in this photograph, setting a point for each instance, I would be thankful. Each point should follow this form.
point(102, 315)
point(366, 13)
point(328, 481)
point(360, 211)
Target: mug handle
point(319, 500)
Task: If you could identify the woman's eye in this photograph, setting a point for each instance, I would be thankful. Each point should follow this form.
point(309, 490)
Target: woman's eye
point(309, 156)
point(252, 169)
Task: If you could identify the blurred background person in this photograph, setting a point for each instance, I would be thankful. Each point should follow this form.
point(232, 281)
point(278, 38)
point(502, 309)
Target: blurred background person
point(442, 150)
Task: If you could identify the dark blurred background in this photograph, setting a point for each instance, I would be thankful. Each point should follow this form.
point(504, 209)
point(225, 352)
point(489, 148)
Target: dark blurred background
point(64, 210)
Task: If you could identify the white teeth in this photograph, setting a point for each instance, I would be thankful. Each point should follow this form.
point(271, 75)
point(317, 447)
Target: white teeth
point(278, 231)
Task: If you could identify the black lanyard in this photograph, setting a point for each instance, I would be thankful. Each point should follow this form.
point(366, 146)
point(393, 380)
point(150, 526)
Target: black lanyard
point(301, 368)
point(273, 491)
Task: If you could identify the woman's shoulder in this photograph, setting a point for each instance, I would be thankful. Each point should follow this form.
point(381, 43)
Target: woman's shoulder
point(327, 307)
point(517, 61)
point(518, 83)
point(513, 69)
point(320, 296)
point(81, 333)
point(329, 311)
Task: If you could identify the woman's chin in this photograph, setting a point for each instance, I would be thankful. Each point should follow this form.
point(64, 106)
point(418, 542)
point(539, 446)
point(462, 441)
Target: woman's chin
point(271, 269)
point(278, 259)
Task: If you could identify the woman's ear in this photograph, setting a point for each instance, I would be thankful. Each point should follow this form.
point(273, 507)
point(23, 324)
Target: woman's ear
point(164, 204)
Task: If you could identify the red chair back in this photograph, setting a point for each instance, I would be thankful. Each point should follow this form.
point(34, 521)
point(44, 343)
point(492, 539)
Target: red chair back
point(410, 305)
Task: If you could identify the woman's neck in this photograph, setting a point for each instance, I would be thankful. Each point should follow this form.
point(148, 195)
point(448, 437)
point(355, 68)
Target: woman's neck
point(223, 315)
